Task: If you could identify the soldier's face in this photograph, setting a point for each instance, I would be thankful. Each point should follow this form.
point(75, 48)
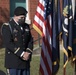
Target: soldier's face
point(21, 19)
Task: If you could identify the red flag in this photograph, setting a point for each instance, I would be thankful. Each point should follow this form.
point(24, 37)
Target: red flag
point(43, 25)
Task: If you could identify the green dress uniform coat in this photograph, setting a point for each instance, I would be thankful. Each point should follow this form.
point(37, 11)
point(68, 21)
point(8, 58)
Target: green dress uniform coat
point(16, 40)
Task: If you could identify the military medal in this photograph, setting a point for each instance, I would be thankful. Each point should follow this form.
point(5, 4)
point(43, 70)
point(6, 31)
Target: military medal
point(15, 39)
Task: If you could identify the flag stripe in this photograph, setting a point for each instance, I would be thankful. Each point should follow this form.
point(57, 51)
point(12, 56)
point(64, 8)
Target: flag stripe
point(49, 28)
point(47, 54)
point(43, 69)
point(46, 63)
point(48, 47)
point(37, 29)
point(41, 5)
point(40, 16)
point(37, 24)
point(39, 21)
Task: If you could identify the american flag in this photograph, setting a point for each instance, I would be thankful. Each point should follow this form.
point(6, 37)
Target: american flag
point(43, 25)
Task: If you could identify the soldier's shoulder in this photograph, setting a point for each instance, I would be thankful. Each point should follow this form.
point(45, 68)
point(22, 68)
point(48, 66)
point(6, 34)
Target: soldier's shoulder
point(6, 24)
point(27, 24)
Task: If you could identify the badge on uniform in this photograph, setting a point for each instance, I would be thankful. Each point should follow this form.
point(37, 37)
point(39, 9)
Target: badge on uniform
point(27, 30)
point(15, 39)
point(15, 30)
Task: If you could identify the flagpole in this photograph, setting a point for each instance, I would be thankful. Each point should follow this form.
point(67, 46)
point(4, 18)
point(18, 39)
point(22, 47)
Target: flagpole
point(64, 71)
point(75, 68)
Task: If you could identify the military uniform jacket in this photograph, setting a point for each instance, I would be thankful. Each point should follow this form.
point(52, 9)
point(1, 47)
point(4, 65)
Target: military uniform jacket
point(16, 40)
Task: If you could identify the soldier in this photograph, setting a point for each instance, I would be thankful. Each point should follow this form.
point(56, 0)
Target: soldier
point(18, 43)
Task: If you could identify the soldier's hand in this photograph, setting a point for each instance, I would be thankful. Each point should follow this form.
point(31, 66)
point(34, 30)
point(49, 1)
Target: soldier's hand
point(26, 56)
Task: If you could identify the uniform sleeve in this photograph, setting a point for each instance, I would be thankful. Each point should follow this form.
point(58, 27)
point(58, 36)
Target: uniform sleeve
point(8, 41)
point(30, 44)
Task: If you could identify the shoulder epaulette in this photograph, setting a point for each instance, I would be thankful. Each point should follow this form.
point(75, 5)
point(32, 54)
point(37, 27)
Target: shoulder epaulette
point(6, 24)
point(3, 25)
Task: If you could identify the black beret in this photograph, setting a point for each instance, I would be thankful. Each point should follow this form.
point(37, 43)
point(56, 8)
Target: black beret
point(20, 11)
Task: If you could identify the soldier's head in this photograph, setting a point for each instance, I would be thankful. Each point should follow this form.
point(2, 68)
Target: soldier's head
point(20, 14)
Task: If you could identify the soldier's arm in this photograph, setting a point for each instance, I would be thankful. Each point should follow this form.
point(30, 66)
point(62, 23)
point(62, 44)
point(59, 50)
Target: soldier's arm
point(8, 41)
point(30, 45)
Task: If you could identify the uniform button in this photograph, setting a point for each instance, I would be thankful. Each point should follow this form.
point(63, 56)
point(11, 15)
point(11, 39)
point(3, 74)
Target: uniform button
point(15, 39)
point(8, 52)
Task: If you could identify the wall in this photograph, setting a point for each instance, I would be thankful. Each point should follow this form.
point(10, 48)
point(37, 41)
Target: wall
point(32, 10)
point(4, 14)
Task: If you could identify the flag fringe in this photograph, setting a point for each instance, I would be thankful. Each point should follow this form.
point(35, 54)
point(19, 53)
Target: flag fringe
point(65, 64)
point(37, 29)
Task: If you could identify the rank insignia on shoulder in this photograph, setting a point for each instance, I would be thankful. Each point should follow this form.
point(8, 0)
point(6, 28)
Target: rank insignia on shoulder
point(5, 24)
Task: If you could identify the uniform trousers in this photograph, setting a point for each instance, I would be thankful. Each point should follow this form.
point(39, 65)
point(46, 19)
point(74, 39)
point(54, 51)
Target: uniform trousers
point(19, 71)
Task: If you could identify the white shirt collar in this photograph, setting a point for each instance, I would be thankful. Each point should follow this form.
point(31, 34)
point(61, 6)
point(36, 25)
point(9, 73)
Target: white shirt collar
point(16, 21)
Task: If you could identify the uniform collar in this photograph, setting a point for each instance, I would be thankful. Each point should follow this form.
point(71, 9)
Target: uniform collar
point(15, 21)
